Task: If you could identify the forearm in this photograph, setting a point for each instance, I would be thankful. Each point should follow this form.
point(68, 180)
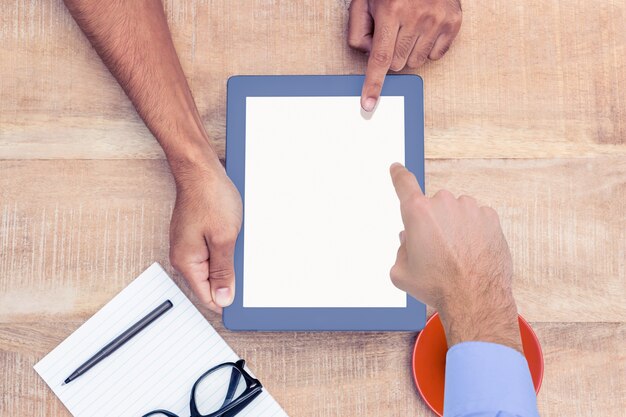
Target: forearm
point(134, 42)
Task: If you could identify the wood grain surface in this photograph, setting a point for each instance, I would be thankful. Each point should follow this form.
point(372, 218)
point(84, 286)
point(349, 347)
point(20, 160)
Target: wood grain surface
point(526, 113)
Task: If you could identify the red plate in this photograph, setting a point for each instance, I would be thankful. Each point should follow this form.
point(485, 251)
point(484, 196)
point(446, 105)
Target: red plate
point(429, 360)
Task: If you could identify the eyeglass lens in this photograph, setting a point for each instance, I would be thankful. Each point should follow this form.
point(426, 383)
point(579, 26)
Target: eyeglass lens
point(160, 414)
point(218, 389)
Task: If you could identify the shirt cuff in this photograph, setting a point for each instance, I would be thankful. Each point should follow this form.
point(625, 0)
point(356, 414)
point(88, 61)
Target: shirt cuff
point(489, 378)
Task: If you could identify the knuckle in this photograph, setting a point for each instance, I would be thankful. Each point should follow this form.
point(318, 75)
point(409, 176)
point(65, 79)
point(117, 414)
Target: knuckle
point(396, 64)
point(456, 20)
point(430, 20)
point(428, 46)
point(412, 64)
point(439, 53)
point(490, 213)
point(176, 259)
point(221, 274)
point(403, 47)
point(375, 86)
point(395, 6)
point(355, 43)
point(415, 202)
point(444, 195)
point(417, 60)
point(435, 56)
point(452, 22)
point(466, 199)
point(382, 58)
point(385, 34)
point(222, 239)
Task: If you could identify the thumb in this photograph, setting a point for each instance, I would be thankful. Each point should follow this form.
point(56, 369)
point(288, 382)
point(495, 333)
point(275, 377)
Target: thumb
point(222, 271)
point(398, 270)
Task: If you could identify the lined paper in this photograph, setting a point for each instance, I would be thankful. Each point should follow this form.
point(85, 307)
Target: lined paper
point(156, 369)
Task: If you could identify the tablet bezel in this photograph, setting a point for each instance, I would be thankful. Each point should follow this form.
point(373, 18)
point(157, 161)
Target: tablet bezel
point(237, 317)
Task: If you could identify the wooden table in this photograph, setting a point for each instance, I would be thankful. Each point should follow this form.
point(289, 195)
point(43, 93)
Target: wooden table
point(527, 112)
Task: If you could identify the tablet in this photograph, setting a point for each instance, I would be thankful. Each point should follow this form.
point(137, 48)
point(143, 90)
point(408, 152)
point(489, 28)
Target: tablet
point(321, 218)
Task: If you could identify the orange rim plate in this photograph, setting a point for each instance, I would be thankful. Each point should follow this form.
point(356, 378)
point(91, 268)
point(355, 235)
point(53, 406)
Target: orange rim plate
point(429, 360)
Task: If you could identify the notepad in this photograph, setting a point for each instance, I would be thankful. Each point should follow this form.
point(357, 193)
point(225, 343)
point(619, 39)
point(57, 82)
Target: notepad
point(156, 369)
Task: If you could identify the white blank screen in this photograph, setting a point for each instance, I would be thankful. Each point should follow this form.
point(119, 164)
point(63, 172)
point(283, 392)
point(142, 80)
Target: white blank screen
point(321, 216)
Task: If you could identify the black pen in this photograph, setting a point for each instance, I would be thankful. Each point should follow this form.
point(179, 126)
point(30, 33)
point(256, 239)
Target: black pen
point(120, 340)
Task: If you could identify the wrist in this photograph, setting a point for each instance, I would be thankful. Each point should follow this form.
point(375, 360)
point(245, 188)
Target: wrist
point(493, 319)
point(192, 158)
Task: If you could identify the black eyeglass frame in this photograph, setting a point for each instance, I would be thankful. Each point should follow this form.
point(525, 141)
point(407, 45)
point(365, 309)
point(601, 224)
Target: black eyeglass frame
point(253, 389)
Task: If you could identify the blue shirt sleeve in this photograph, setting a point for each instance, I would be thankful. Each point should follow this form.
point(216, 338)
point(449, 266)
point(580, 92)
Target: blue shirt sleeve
point(488, 380)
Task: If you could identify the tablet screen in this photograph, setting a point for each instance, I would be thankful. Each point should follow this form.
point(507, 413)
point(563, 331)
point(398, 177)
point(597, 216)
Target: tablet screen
point(321, 216)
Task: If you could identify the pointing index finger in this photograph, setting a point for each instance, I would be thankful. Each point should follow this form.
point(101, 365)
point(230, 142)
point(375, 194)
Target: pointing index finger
point(383, 44)
point(404, 182)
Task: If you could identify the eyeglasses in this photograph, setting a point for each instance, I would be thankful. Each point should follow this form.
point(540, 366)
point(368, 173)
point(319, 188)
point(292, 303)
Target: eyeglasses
point(235, 390)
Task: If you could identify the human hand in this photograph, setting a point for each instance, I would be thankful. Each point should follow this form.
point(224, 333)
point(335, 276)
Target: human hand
point(205, 224)
point(454, 257)
point(399, 33)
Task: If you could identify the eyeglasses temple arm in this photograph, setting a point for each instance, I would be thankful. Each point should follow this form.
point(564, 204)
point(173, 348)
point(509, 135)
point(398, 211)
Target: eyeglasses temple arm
point(241, 406)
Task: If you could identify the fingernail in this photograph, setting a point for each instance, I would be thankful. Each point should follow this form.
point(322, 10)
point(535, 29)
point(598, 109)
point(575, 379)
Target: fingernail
point(223, 297)
point(369, 104)
point(401, 236)
point(396, 165)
